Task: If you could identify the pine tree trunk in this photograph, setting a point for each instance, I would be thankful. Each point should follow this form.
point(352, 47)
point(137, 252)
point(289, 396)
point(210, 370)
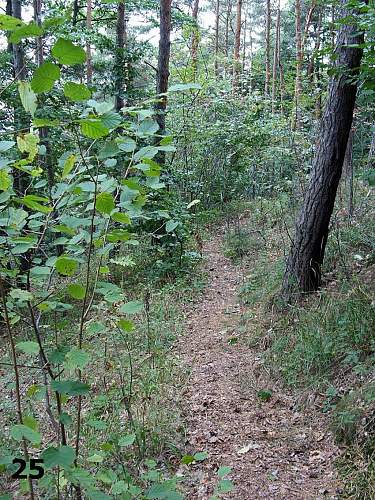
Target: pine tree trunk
point(163, 66)
point(217, 20)
point(268, 49)
point(276, 59)
point(299, 57)
point(237, 45)
point(303, 270)
point(195, 40)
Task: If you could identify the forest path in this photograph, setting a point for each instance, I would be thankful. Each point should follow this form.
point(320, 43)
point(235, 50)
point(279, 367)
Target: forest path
point(275, 451)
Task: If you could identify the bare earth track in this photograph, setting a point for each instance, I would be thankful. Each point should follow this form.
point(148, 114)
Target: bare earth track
point(276, 450)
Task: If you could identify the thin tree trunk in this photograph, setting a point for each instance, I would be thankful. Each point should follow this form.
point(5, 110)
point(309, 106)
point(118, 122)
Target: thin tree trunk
point(217, 20)
point(120, 56)
point(163, 66)
point(237, 45)
point(89, 68)
point(195, 40)
point(276, 59)
point(303, 270)
point(268, 49)
point(227, 24)
point(299, 58)
point(371, 153)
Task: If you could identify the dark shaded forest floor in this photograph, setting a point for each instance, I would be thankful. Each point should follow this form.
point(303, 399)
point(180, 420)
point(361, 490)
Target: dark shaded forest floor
point(277, 448)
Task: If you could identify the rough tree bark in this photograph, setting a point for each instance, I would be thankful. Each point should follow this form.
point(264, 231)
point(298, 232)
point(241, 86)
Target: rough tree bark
point(195, 40)
point(217, 20)
point(237, 45)
point(276, 59)
point(299, 58)
point(303, 270)
point(163, 66)
point(268, 48)
point(120, 56)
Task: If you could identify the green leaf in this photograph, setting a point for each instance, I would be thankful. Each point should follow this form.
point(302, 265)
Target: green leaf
point(28, 97)
point(63, 456)
point(66, 266)
point(126, 325)
point(21, 295)
point(127, 144)
point(224, 471)
point(20, 432)
point(65, 418)
point(225, 486)
point(28, 347)
point(163, 491)
point(77, 91)
point(67, 53)
point(44, 77)
point(127, 440)
point(93, 128)
point(121, 217)
point(132, 307)
point(76, 291)
point(111, 119)
point(95, 458)
point(9, 23)
point(171, 226)
point(70, 387)
point(5, 145)
point(77, 358)
point(105, 203)
point(187, 459)
point(32, 201)
point(28, 143)
point(200, 456)
point(5, 180)
point(25, 31)
point(68, 166)
point(45, 122)
point(148, 127)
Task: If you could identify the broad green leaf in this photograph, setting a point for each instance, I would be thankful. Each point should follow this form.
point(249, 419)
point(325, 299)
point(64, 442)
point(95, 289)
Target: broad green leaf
point(32, 201)
point(111, 119)
point(93, 128)
point(77, 358)
point(224, 486)
point(163, 491)
point(171, 226)
point(187, 459)
point(28, 97)
point(95, 458)
point(67, 53)
point(28, 143)
point(76, 291)
point(63, 456)
point(127, 144)
point(68, 166)
point(70, 387)
point(200, 456)
point(25, 31)
point(21, 295)
point(126, 325)
point(224, 471)
point(132, 307)
point(5, 180)
point(5, 145)
point(148, 127)
point(105, 203)
point(9, 23)
point(121, 217)
point(45, 77)
point(66, 266)
point(127, 440)
point(31, 422)
point(28, 347)
point(65, 418)
point(77, 91)
point(95, 327)
point(20, 432)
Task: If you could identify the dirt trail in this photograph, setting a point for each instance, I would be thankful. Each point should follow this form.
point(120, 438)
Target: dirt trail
point(275, 451)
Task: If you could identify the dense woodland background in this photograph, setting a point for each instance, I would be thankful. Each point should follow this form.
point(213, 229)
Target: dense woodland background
point(130, 132)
